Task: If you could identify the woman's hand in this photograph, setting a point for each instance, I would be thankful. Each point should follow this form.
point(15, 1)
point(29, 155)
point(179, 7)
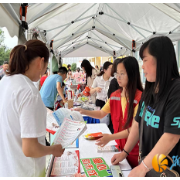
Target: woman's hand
point(79, 110)
point(57, 150)
point(103, 140)
point(139, 171)
point(118, 158)
point(98, 89)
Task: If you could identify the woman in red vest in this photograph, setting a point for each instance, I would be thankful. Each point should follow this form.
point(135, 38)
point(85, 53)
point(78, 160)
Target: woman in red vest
point(122, 105)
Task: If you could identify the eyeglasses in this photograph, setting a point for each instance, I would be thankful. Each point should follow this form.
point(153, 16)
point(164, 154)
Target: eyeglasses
point(120, 76)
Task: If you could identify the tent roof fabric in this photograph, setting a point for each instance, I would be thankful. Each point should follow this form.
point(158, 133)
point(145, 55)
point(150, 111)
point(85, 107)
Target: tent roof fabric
point(105, 27)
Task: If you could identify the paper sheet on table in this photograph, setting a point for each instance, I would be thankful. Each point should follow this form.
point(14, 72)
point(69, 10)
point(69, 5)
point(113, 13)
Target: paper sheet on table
point(69, 131)
point(88, 148)
point(67, 164)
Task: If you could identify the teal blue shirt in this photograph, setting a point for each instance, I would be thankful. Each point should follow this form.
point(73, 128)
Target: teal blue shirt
point(49, 90)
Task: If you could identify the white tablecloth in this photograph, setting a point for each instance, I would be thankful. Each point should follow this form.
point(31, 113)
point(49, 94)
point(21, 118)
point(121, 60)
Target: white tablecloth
point(88, 148)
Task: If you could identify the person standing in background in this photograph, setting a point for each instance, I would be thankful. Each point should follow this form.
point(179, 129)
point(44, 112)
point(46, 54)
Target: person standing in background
point(101, 84)
point(52, 86)
point(77, 75)
point(4, 69)
point(69, 67)
point(97, 69)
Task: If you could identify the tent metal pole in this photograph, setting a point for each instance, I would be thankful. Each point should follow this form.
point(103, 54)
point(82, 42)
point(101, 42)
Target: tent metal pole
point(72, 44)
point(126, 21)
point(103, 41)
point(71, 50)
point(102, 47)
point(71, 35)
point(74, 33)
point(41, 13)
point(12, 10)
point(70, 23)
point(74, 20)
point(144, 41)
point(124, 44)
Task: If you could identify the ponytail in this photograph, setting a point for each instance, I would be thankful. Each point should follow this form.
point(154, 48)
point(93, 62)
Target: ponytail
point(105, 67)
point(22, 55)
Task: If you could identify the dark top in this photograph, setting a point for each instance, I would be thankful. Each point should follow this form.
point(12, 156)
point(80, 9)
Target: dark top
point(163, 118)
point(113, 86)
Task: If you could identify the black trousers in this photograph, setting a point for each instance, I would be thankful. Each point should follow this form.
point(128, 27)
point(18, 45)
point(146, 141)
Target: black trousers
point(100, 103)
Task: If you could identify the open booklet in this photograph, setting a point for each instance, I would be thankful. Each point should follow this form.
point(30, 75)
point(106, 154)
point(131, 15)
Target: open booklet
point(62, 113)
point(69, 131)
point(55, 119)
point(51, 123)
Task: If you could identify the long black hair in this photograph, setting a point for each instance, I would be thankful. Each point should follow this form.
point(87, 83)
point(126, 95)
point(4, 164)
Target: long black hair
point(87, 66)
point(134, 82)
point(114, 67)
point(105, 67)
point(163, 50)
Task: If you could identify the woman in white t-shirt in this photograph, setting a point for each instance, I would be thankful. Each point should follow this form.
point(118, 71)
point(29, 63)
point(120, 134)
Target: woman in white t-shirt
point(101, 84)
point(23, 114)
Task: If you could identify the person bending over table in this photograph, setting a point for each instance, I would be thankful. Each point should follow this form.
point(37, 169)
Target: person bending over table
point(122, 105)
point(23, 114)
point(52, 86)
point(101, 84)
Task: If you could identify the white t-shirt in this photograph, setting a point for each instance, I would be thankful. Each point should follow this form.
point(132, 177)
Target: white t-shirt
point(104, 85)
point(22, 115)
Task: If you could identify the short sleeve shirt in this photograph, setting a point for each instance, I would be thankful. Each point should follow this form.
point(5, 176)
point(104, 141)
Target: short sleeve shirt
point(104, 85)
point(107, 108)
point(22, 115)
point(164, 118)
point(49, 90)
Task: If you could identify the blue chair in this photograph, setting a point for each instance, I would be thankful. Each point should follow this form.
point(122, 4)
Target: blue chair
point(91, 120)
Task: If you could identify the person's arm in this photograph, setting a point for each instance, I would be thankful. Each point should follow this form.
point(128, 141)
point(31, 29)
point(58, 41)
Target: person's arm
point(110, 137)
point(94, 114)
point(93, 90)
point(120, 135)
point(164, 146)
point(60, 91)
point(32, 148)
point(131, 142)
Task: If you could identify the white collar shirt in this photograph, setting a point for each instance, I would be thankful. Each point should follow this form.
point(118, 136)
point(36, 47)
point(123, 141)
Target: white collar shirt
point(104, 85)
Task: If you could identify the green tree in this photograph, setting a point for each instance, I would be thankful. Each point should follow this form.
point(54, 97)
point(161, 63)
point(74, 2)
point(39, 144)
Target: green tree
point(73, 67)
point(4, 51)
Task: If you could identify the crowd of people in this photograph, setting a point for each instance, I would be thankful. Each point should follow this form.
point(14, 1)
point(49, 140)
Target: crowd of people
point(116, 88)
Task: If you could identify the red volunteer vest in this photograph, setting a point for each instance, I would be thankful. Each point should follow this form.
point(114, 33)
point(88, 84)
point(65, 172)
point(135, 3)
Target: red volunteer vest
point(117, 117)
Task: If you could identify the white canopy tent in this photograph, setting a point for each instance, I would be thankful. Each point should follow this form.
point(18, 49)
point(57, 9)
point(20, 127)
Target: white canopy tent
point(107, 29)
